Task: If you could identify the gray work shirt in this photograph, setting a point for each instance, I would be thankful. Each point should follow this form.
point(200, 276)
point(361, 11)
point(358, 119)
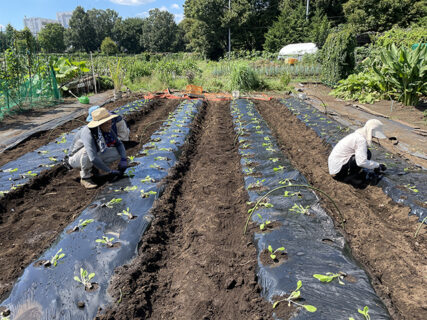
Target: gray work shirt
point(84, 138)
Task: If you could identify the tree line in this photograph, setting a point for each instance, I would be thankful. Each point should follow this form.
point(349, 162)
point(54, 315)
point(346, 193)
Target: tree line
point(254, 25)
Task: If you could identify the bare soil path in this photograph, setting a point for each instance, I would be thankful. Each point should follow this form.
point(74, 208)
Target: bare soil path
point(33, 216)
point(379, 231)
point(194, 262)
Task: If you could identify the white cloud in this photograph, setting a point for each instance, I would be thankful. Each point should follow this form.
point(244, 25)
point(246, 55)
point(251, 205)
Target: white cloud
point(2, 27)
point(132, 2)
point(163, 8)
point(175, 6)
point(178, 17)
point(143, 14)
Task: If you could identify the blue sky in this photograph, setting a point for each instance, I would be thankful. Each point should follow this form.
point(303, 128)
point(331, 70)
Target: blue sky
point(13, 11)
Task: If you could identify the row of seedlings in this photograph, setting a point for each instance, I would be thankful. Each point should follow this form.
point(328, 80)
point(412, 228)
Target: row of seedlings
point(303, 261)
point(18, 172)
point(71, 278)
point(405, 183)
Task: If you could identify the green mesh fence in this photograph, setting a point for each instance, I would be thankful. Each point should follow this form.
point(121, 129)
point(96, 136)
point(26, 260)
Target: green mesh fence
point(26, 82)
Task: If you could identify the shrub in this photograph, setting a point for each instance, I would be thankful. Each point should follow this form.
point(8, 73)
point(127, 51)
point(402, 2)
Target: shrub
point(361, 86)
point(244, 78)
point(338, 56)
point(108, 46)
point(105, 83)
point(285, 79)
point(138, 69)
point(401, 37)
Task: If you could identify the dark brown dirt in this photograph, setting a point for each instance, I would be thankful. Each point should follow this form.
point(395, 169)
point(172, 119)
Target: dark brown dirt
point(379, 231)
point(32, 217)
point(44, 137)
point(194, 262)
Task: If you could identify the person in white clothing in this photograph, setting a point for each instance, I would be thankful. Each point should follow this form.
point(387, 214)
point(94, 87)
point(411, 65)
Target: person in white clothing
point(351, 154)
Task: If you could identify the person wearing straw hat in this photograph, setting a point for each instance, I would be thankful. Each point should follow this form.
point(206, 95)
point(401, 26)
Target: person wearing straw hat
point(351, 154)
point(96, 144)
point(119, 125)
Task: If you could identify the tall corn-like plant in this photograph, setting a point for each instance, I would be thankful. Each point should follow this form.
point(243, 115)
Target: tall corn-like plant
point(403, 73)
point(118, 76)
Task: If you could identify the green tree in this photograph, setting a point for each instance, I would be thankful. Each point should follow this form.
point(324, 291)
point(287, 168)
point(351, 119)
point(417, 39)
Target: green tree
point(25, 42)
point(159, 31)
point(291, 27)
point(108, 46)
point(10, 35)
point(127, 34)
point(51, 38)
point(103, 22)
point(319, 27)
point(81, 35)
point(332, 8)
point(381, 15)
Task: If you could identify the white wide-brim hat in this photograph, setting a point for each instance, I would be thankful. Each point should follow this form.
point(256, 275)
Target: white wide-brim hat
point(100, 116)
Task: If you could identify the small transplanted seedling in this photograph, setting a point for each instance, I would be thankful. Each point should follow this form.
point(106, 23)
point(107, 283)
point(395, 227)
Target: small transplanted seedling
point(147, 179)
point(298, 208)
point(112, 202)
point(329, 277)
point(127, 189)
point(54, 260)
point(248, 171)
point(126, 213)
point(29, 174)
point(264, 222)
point(412, 188)
point(85, 278)
point(131, 158)
point(295, 295)
point(10, 170)
point(273, 253)
point(364, 312)
point(288, 194)
point(105, 240)
point(43, 151)
point(257, 184)
point(53, 159)
point(273, 159)
point(82, 224)
point(155, 166)
point(160, 158)
point(65, 151)
point(130, 172)
point(63, 139)
point(279, 168)
point(147, 194)
point(165, 149)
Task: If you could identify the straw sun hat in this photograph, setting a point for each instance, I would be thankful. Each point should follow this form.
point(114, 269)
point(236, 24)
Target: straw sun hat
point(100, 116)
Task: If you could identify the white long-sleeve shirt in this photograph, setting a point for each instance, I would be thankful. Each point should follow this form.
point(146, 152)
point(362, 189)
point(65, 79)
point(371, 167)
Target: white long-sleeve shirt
point(353, 144)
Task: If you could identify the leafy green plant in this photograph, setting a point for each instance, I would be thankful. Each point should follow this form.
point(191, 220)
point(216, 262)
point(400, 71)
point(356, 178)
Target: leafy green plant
point(130, 172)
point(295, 295)
point(112, 202)
point(117, 75)
point(244, 77)
point(257, 184)
point(298, 208)
point(365, 312)
point(105, 240)
point(403, 73)
point(29, 174)
point(329, 277)
point(63, 139)
point(85, 278)
point(264, 222)
point(279, 168)
point(126, 213)
point(83, 223)
point(147, 194)
point(420, 225)
point(58, 256)
point(131, 158)
point(10, 170)
point(273, 253)
point(53, 159)
point(147, 179)
point(412, 188)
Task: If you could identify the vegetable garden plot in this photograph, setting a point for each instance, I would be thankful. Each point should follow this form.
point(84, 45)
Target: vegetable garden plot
point(403, 182)
point(18, 172)
point(304, 241)
point(121, 213)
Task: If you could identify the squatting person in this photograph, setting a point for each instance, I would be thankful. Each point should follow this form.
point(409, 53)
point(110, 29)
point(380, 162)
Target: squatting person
point(96, 144)
point(119, 125)
point(351, 154)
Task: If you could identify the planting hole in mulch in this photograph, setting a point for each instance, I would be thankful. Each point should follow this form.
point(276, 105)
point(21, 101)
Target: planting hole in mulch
point(254, 227)
point(266, 260)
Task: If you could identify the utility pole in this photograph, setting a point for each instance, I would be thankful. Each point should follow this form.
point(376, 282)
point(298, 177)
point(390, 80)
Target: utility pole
point(229, 33)
point(306, 12)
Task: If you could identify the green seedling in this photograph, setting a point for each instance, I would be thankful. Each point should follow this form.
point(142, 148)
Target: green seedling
point(412, 188)
point(273, 253)
point(172, 141)
point(147, 194)
point(85, 278)
point(112, 202)
point(329, 276)
point(248, 171)
point(131, 158)
point(273, 159)
point(295, 295)
point(29, 174)
point(257, 184)
point(165, 149)
point(365, 313)
point(127, 189)
point(53, 159)
point(83, 223)
point(58, 256)
point(246, 146)
point(63, 139)
point(419, 227)
point(270, 149)
point(126, 213)
point(267, 144)
point(264, 223)
point(43, 152)
point(10, 170)
point(266, 138)
point(5, 317)
point(130, 172)
point(298, 208)
point(288, 194)
point(160, 158)
point(259, 132)
point(155, 166)
point(147, 179)
point(279, 168)
point(105, 240)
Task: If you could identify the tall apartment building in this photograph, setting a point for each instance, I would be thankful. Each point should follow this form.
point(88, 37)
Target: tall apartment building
point(64, 18)
point(36, 24)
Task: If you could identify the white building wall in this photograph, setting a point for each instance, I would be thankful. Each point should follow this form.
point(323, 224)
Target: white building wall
point(64, 18)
